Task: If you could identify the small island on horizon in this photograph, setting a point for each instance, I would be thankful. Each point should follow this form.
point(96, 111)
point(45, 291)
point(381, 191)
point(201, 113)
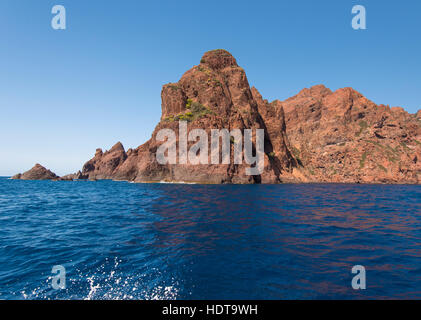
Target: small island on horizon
point(316, 136)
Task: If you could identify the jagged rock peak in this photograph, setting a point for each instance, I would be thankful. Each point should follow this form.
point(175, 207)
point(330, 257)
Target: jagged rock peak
point(117, 147)
point(218, 59)
point(317, 91)
point(348, 92)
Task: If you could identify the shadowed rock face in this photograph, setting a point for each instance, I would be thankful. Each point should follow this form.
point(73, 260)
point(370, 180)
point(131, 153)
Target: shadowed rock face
point(316, 136)
point(103, 165)
point(38, 172)
point(342, 136)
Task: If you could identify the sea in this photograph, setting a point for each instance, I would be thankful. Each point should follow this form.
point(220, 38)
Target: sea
point(106, 240)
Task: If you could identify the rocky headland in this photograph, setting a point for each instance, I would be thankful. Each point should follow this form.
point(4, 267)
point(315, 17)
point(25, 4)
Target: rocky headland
point(316, 136)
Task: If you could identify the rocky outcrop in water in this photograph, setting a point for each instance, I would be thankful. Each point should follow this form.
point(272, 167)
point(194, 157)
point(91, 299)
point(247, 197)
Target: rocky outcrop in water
point(316, 136)
point(212, 95)
point(104, 164)
point(74, 176)
point(38, 172)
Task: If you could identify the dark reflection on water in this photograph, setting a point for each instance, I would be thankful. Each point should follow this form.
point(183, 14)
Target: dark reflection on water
point(129, 241)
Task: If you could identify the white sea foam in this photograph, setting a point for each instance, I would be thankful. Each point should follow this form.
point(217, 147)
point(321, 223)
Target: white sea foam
point(176, 182)
point(105, 284)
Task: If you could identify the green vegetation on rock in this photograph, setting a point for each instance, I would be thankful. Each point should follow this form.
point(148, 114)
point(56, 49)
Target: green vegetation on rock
point(362, 161)
point(363, 126)
point(382, 168)
point(196, 111)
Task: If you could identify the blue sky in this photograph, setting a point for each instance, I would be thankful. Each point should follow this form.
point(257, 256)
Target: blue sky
point(65, 93)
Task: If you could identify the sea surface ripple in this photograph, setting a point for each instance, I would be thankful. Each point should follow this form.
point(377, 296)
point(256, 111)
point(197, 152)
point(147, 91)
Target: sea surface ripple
point(119, 240)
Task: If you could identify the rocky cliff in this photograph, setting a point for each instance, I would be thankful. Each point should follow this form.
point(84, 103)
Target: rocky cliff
point(212, 95)
point(316, 136)
point(342, 136)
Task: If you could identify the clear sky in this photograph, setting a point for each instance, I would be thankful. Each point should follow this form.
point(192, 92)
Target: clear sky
point(65, 93)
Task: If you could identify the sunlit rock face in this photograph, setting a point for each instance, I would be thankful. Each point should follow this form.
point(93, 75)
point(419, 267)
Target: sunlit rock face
point(342, 136)
point(316, 136)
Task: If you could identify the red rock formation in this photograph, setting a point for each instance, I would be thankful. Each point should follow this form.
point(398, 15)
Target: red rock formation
point(74, 176)
point(103, 165)
point(213, 95)
point(316, 136)
point(342, 136)
point(38, 172)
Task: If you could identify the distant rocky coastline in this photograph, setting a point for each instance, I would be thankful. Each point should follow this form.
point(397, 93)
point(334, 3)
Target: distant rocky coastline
point(316, 136)
point(39, 172)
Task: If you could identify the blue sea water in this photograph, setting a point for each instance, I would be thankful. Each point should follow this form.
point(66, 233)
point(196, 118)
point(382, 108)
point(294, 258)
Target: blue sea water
point(119, 240)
